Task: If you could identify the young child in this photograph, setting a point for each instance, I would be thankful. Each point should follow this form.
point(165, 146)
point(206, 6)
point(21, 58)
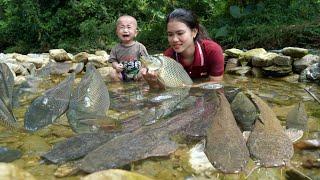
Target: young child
point(125, 55)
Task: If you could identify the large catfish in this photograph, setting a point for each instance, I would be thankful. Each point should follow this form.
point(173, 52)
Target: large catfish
point(152, 140)
point(76, 147)
point(268, 143)
point(225, 146)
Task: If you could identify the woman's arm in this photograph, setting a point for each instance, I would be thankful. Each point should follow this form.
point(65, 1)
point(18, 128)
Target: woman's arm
point(216, 79)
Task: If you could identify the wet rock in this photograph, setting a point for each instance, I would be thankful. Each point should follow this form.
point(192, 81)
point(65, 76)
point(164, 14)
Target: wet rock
point(300, 64)
point(282, 60)
point(294, 52)
point(240, 70)
point(233, 53)
point(81, 57)
point(232, 63)
point(257, 72)
point(311, 73)
point(247, 56)
point(277, 71)
point(66, 170)
point(59, 55)
point(263, 59)
point(115, 174)
point(9, 172)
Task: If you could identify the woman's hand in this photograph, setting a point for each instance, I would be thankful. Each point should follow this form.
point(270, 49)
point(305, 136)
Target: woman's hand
point(152, 79)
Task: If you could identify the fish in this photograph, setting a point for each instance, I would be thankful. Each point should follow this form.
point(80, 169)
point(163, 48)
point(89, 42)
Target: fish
point(225, 146)
point(151, 141)
point(9, 155)
point(297, 118)
point(76, 147)
point(45, 109)
point(6, 85)
point(90, 100)
point(268, 144)
point(7, 119)
point(170, 72)
point(127, 148)
point(164, 105)
point(244, 111)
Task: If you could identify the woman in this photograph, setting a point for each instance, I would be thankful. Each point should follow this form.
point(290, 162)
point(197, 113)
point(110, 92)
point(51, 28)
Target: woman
point(191, 47)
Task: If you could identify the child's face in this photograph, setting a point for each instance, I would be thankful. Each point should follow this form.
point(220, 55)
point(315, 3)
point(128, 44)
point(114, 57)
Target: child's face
point(126, 29)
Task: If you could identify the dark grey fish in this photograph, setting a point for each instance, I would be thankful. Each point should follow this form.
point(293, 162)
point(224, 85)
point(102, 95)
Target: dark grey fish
point(225, 146)
point(76, 147)
point(9, 155)
point(6, 85)
point(297, 118)
point(167, 104)
point(148, 141)
point(45, 109)
point(244, 111)
point(268, 143)
point(90, 100)
point(127, 148)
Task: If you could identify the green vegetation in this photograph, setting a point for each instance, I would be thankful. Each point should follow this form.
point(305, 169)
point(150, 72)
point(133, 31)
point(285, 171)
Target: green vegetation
point(87, 25)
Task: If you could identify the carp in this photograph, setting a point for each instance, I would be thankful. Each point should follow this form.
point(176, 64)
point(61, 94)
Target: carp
point(170, 72)
point(7, 117)
point(90, 100)
point(6, 85)
point(45, 109)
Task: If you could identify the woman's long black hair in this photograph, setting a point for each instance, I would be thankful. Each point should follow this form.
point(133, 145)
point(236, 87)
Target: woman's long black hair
point(190, 19)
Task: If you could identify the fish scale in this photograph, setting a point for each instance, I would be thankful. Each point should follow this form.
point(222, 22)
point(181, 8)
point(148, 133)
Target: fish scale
point(7, 118)
point(90, 100)
point(171, 73)
point(6, 85)
point(47, 108)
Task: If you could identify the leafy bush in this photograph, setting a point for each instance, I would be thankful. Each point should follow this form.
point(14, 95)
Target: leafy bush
point(87, 25)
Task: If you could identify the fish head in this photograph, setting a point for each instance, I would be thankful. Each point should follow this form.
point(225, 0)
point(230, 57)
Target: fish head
point(151, 62)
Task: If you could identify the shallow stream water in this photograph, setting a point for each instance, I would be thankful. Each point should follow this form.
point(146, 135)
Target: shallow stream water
point(282, 94)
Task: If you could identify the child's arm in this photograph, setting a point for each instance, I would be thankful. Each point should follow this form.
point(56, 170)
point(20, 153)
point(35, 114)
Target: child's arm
point(117, 66)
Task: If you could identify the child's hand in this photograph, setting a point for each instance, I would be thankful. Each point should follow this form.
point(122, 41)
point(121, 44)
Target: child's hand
point(117, 66)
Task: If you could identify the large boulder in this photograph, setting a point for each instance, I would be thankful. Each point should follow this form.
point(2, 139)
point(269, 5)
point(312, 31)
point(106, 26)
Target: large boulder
point(233, 53)
point(307, 60)
point(246, 57)
point(294, 52)
point(263, 59)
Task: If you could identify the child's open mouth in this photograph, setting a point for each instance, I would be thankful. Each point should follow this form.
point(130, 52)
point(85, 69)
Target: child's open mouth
point(126, 35)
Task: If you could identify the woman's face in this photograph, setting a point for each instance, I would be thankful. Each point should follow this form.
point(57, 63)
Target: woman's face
point(180, 36)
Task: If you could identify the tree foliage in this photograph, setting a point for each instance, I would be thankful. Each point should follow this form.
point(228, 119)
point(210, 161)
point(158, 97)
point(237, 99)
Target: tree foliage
point(87, 25)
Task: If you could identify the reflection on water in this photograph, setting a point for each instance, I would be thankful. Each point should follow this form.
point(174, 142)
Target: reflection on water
point(129, 99)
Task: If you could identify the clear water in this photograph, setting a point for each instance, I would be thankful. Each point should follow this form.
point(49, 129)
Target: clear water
point(280, 94)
